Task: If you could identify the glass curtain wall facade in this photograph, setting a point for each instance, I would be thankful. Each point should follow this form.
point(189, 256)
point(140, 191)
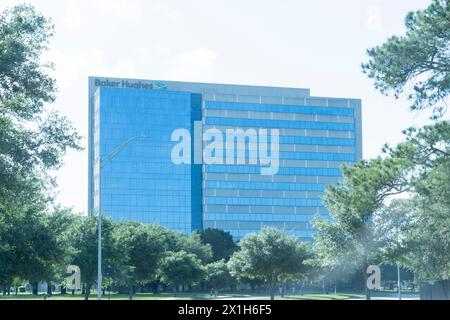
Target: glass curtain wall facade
point(314, 143)
point(132, 142)
point(317, 136)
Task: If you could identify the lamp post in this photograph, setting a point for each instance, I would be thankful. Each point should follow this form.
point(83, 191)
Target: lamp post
point(399, 282)
point(103, 164)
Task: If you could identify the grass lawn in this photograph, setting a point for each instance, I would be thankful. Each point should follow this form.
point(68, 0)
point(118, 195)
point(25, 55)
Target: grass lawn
point(93, 296)
point(339, 296)
point(197, 296)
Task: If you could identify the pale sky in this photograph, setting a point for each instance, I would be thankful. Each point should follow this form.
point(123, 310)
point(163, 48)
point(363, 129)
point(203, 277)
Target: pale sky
point(316, 44)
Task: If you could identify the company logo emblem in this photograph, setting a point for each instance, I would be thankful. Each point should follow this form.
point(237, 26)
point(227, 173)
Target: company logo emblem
point(160, 86)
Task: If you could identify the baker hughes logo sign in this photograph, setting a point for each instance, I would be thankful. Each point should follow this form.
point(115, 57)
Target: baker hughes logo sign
point(126, 84)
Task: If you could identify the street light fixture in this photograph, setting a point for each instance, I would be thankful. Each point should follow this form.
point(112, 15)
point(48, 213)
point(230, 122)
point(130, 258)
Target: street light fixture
point(103, 164)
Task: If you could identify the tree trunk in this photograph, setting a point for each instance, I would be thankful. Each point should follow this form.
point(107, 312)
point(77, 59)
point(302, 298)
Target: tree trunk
point(130, 292)
point(272, 290)
point(35, 288)
point(87, 293)
point(366, 289)
point(63, 290)
point(49, 288)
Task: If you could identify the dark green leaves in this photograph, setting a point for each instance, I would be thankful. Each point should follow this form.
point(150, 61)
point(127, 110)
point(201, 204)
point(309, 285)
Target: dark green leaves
point(418, 63)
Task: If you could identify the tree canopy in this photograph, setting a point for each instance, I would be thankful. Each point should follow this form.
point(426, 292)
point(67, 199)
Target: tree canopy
point(417, 63)
point(271, 256)
point(221, 243)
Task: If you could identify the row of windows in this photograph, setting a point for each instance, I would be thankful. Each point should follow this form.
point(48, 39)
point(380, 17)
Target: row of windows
point(251, 157)
point(152, 218)
point(279, 108)
point(260, 217)
point(112, 137)
point(318, 141)
point(329, 172)
point(280, 124)
point(240, 233)
point(117, 117)
point(124, 194)
point(163, 208)
point(263, 202)
point(121, 96)
point(347, 157)
point(265, 186)
point(136, 180)
point(136, 167)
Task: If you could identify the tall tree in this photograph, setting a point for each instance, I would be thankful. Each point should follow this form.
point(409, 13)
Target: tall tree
point(83, 239)
point(218, 276)
point(419, 60)
point(427, 241)
point(271, 256)
point(33, 140)
point(181, 269)
point(348, 241)
point(141, 250)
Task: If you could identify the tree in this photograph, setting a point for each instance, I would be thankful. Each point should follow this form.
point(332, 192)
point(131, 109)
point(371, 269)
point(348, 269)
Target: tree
point(33, 141)
point(391, 224)
point(221, 243)
point(218, 275)
point(348, 241)
point(83, 239)
point(33, 138)
point(427, 238)
point(420, 60)
point(47, 242)
point(190, 244)
point(271, 256)
point(181, 269)
point(141, 250)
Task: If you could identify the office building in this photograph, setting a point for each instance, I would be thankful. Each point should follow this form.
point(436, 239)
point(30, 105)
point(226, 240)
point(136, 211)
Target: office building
point(133, 174)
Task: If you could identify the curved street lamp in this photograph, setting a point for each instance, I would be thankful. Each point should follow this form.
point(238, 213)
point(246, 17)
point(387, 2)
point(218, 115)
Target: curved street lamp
point(104, 163)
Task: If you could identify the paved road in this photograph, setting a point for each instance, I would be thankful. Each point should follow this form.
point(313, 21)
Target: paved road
point(390, 297)
point(395, 297)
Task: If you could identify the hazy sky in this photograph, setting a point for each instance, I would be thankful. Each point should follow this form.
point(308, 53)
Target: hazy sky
point(316, 44)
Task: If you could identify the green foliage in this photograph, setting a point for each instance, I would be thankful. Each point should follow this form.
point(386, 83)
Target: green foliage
point(33, 140)
point(190, 244)
point(83, 241)
point(427, 238)
point(25, 87)
point(218, 275)
point(140, 249)
point(419, 60)
point(348, 238)
point(181, 269)
point(347, 242)
point(221, 243)
point(271, 256)
point(392, 223)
